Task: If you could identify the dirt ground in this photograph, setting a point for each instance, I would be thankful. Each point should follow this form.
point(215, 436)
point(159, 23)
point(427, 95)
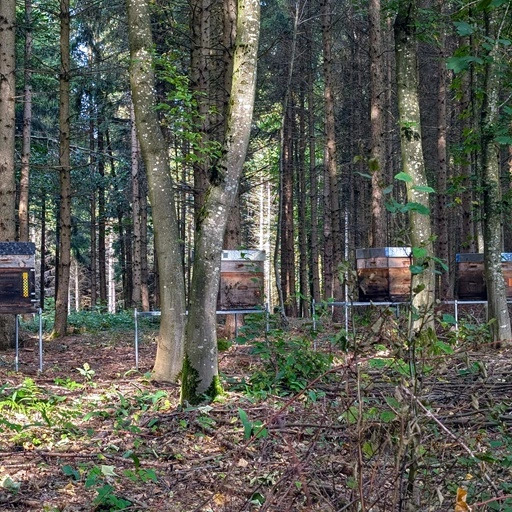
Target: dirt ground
point(92, 433)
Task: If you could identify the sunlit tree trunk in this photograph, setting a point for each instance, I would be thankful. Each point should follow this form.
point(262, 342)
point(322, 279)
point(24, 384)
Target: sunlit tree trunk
point(493, 204)
point(200, 376)
point(102, 218)
point(7, 126)
point(23, 207)
point(423, 283)
point(378, 148)
point(63, 271)
point(169, 356)
point(443, 214)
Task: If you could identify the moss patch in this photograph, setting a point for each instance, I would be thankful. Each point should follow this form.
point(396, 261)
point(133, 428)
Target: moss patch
point(190, 381)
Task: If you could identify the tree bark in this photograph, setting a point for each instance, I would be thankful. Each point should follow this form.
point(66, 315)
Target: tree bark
point(332, 230)
point(423, 283)
point(200, 371)
point(493, 204)
point(378, 148)
point(63, 271)
point(7, 127)
point(169, 356)
point(23, 207)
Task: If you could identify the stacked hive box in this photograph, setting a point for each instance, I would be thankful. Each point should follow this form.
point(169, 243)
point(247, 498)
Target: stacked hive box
point(471, 275)
point(17, 262)
point(241, 280)
point(384, 274)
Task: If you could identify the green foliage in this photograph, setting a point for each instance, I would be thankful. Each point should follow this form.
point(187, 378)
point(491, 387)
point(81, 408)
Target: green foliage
point(252, 429)
point(288, 364)
point(84, 321)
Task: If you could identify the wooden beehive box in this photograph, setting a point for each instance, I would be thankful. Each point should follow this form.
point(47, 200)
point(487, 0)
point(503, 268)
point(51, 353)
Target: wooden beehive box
point(384, 274)
point(506, 265)
point(241, 279)
point(17, 290)
point(471, 275)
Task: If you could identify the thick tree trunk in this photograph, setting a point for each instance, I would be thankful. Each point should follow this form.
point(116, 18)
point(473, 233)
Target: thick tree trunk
point(443, 214)
point(423, 283)
point(169, 357)
point(200, 376)
point(7, 125)
point(64, 267)
point(378, 148)
point(493, 204)
point(332, 231)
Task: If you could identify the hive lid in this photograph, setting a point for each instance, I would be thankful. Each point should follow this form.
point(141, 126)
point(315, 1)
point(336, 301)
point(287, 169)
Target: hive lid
point(384, 252)
point(25, 248)
point(245, 255)
point(478, 257)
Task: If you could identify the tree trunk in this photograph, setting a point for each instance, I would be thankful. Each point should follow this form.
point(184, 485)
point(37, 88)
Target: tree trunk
point(23, 207)
point(63, 271)
point(493, 204)
point(200, 371)
point(443, 214)
point(423, 282)
point(136, 221)
point(7, 126)
point(102, 219)
point(93, 217)
point(169, 356)
point(377, 144)
point(287, 228)
point(333, 231)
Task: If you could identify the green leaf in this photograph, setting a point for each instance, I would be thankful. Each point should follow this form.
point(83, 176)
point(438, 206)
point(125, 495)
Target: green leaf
point(419, 252)
point(387, 416)
point(373, 164)
point(458, 64)
point(247, 424)
point(424, 188)
point(506, 140)
point(463, 28)
point(449, 319)
point(108, 470)
point(418, 208)
point(387, 190)
point(403, 176)
point(364, 174)
point(416, 269)
point(70, 471)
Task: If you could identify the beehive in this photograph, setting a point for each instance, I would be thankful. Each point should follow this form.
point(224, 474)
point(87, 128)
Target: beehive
point(17, 291)
point(241, 279)
point(384, 274)
point(471, 275)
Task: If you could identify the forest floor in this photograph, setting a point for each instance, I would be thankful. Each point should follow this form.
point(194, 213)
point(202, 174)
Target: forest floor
point(92, 433)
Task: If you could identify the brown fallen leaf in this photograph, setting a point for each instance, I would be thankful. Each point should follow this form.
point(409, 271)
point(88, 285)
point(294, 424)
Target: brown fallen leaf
point(461, 505)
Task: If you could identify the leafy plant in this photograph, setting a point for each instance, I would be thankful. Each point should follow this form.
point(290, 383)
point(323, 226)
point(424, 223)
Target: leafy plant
point(289, 363)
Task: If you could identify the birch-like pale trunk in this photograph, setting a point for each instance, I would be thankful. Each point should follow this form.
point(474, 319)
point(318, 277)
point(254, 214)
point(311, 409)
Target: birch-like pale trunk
point(493, 217)
point(169, 356)
point(423, 284)
point(200, 375)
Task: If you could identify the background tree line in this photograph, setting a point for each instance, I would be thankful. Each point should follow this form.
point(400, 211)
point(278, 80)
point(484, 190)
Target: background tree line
point(327, 134)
